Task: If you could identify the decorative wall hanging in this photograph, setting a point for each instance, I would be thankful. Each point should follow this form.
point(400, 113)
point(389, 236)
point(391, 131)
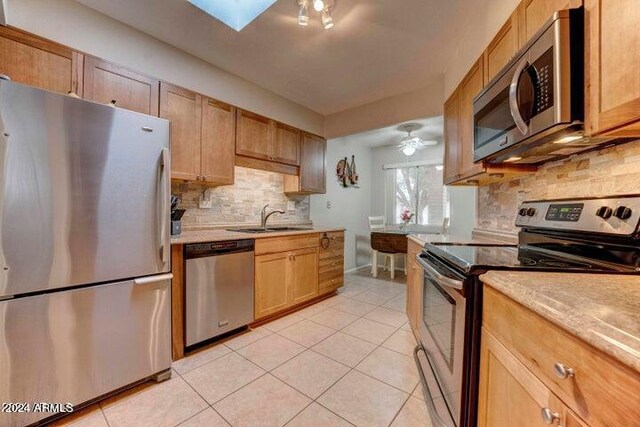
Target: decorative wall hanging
point(346, 173)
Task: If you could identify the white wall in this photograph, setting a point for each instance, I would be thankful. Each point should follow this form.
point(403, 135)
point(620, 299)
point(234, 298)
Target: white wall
point(84, 29)
point(424, 102)
point(350, 207)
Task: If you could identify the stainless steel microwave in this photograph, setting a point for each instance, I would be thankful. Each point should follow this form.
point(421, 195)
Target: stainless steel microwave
point(533, 110)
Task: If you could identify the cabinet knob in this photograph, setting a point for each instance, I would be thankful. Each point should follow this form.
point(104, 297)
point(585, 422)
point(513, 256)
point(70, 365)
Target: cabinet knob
point(549, 417)
point(563, 372)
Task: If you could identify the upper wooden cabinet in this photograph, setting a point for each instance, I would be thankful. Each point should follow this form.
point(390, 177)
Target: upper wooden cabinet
point(202, 135)
point(254, 138)
point(502, 48)
point(613, 64)
point(265, 139)
point(532, 14)
point(286, 144)
point(183, 109)
point(312, 177)
point(451, 171)
point(34, 61)
point(105, 82)
point(218, 141)
point(471, 86)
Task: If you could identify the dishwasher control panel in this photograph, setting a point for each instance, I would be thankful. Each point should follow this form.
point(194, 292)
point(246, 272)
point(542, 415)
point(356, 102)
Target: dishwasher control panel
point(197, 250)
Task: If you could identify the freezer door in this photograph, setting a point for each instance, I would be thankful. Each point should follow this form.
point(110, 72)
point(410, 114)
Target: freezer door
point(73, 346)
point(83, 192)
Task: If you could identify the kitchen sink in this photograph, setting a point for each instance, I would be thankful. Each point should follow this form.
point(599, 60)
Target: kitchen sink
point(268, 230)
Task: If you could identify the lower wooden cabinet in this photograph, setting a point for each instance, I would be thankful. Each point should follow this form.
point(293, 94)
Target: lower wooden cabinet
point(524, 376)
point(510, 395)
point(415, 279)
point(304, 280)
point(285, 279)
point(272, 283)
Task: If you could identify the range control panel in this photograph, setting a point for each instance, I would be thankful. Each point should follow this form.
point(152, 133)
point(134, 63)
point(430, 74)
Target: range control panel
point(615, 215)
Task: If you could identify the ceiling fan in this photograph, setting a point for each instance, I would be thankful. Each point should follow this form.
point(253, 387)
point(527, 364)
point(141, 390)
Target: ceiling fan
point(409, 144)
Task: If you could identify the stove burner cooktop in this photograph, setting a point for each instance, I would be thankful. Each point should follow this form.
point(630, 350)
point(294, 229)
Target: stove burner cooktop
point(473, 258)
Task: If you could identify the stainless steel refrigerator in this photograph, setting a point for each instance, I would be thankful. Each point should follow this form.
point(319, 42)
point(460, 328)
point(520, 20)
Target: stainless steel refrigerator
point(84, 249)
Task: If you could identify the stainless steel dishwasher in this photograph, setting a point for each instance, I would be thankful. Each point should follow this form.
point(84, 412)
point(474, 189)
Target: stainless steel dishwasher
point(219, 288)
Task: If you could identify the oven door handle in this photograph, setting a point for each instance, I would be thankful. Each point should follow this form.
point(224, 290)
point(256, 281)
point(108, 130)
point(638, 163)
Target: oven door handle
point(436, 420)
point(438, 277)
point(513, 97)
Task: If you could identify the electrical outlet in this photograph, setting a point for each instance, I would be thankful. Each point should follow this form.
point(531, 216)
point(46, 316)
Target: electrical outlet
point(291, 205)
point(328, 204)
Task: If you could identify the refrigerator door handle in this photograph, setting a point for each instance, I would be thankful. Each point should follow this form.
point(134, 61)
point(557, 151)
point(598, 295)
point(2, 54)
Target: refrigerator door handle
point(153, 279)
point(164, 200)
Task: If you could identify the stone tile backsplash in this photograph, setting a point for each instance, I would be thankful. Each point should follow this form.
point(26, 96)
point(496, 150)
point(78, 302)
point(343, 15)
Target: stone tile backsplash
point(611, 171)
point(240, 203)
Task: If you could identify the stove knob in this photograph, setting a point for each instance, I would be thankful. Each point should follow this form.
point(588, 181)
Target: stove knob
point(531, 211)
point(522, 212)
point(622, 212)
point(604, 212)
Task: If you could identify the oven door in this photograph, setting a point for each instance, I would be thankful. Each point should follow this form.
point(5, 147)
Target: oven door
point(442, 330)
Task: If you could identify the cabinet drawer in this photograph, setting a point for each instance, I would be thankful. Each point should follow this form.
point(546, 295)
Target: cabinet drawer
point(330, 285)
point(282, 244)
point(602, 391)
point(336, 239)
point(331, 274)
point(329, 264)
point(337, 252)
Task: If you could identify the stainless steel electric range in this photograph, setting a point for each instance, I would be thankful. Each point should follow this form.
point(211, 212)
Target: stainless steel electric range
point(579, 235)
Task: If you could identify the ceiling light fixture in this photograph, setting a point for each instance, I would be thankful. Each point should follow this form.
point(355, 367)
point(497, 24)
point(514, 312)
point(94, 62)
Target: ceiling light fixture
point(410, 144)
point(325, 7)
point(327, 20)
point(303, 15)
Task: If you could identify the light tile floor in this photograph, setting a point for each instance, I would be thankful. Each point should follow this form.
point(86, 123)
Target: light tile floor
point(344, 361)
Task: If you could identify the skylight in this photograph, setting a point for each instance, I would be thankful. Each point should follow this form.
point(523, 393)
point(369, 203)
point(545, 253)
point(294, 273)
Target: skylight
point(235, 13)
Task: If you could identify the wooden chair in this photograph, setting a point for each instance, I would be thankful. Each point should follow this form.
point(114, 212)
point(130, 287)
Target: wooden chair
point(376, 223)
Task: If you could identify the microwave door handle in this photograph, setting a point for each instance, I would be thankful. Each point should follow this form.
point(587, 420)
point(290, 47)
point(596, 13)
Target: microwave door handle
point(513, 97)
point(440, 278)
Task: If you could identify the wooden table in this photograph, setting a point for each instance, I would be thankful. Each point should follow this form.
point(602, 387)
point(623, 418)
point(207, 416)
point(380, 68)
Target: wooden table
point(390, 242)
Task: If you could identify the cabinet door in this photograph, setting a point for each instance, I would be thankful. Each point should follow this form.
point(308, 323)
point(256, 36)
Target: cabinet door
point(613, 63)
point(313, 164)
point(36, 62)
point(286, 147)
point(509, 394)
point(304, 281)
point(502, 48)
point(254, 137)
point(105, 82)
point(183, 108)
point(469, 88)
point(272, 283)
point(218, 141)
point(451, 139)
point(534, 13)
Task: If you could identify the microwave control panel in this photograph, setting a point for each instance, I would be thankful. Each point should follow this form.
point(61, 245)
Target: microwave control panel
point(544, 82)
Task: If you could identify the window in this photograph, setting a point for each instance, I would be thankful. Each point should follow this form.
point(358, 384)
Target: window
point(418, 189)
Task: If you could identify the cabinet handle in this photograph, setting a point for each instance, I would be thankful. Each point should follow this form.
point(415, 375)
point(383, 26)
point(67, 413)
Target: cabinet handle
point(563, 372)
point(549, 417)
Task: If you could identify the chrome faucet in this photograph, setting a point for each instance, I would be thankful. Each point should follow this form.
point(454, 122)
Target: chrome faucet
point(264, 216)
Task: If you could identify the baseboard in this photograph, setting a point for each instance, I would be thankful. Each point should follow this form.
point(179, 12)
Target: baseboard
point(353, 270)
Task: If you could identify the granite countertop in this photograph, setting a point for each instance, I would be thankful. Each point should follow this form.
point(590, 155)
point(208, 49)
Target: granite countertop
point(603, 310)
point(423, 239)
point(201, 236)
